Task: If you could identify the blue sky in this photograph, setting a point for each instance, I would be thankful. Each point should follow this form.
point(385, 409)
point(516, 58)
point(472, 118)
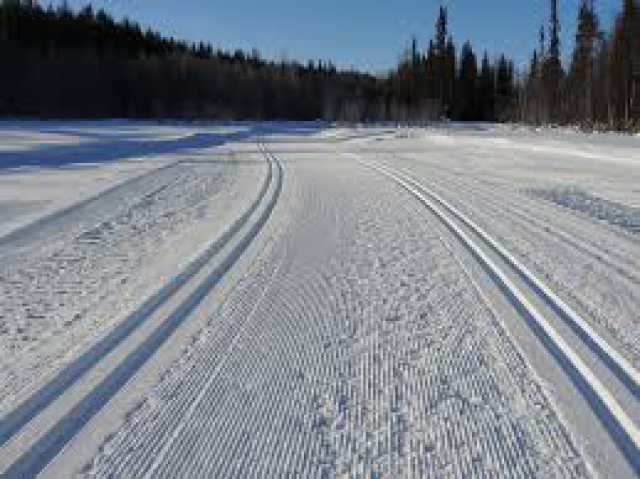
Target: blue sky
point(365, 34)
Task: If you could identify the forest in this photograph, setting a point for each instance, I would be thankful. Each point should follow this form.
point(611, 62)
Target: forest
point(600, 87)
point(60, 63)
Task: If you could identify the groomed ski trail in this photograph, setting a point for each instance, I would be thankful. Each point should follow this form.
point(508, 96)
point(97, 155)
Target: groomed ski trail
point(160, 316)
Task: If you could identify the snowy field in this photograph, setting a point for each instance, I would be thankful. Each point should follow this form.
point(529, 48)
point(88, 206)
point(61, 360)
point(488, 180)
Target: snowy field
point(281, 300)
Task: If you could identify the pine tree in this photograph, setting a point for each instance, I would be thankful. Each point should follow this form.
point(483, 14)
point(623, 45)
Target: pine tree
point(581, 75)
point(529, 102)
point(552, 68)
point(487, 90)
point(602, 87)
point(623, 65)
point(431, 72)
point(554, 39)
point(466, 106)
point(504, 88)
point(631, 32)
point(449, 77)
point(635, 60)
point(442, 32)
point(441, 62)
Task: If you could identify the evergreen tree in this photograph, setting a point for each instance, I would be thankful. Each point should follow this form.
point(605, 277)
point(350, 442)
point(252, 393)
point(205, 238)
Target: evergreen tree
point(466, 90)
point(602, 87)
point(441, 61)
point(581, 74)
point(431, 72)
point(627, 55)
point(487, 89)
point(505, 88)
point(554, 39)
point(449, 77)
point(623, 65)
point(528, 109)
point(552, 72)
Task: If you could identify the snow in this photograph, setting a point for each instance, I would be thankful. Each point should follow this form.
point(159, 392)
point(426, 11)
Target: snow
point(28, 194)
point(614, 213)
point(47, 167)
point(127, 228)
point(352, 339)
point(358, 348)
point(589, 249)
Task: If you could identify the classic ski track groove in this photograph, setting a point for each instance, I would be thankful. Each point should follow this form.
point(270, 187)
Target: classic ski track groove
point(627, 272)
point(626, 265)
point(193, 406)
point(72, 276)
point(622, 368)
point(72, 208)
point(609, 257)
point(615, 419)
point(527, 218)
point(54, 440)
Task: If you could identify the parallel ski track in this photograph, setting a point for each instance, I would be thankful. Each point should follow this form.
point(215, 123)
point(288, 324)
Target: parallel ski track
point(53, 441)
point(615, 419)
point(608, 257)
point(626, 268)
point(622, 264)
point(40, 226)
point(528, 219)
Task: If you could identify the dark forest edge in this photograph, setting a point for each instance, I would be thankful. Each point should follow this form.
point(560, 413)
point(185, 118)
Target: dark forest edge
point(63, 64)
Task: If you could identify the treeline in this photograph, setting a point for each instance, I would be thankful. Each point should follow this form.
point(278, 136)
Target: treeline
point(600, 87)
point(444, 84)
point(59, 63)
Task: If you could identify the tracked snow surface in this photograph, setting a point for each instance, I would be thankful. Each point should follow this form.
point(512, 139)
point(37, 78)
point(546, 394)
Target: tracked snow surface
point(341, 329)
point(567, 204)
point(354, 347)
point(66, 281)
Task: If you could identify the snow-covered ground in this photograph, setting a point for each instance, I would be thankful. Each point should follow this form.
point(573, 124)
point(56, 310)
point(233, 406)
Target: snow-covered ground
point(567, 203)
point(349, 335)
point(109, 235)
